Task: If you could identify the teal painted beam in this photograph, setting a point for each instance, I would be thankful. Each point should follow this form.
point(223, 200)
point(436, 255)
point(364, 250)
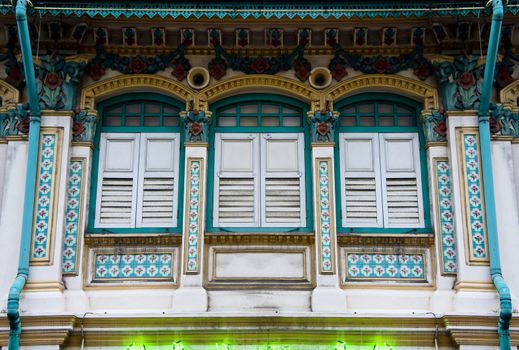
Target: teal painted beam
point(505, 298)
point(13, 301)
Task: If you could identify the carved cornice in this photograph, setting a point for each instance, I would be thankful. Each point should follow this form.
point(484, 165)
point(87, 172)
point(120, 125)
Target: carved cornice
point(159, 240)
point(9, 94)
point(393, 239)
point(124, 83)
point(258, 83)
point(393, 83)
point(262, 238)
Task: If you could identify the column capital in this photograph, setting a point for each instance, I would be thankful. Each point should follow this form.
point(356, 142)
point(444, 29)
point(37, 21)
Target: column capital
point(196, 125)
point(322, 126)
point(434, 125)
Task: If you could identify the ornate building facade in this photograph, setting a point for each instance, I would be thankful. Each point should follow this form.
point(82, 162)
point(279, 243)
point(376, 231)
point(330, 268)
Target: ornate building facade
point(259, 175)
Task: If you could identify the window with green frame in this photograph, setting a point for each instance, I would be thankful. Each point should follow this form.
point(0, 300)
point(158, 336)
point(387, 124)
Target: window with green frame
point(382, 172)
point(259, 168)
point(136, 169)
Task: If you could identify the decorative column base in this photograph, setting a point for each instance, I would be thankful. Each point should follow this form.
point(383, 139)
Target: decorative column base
point(190, 299)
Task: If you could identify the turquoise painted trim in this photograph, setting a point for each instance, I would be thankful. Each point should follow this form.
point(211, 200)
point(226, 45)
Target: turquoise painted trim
point(305, 128)
point(389, 98)
point(505, 298)
point(13, 301)
point(91, 229)
point(247, 10)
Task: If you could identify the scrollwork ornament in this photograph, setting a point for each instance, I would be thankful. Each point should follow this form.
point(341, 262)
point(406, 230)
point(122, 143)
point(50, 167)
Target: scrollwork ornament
point(322, 126)
point(14, 120)
point(503, 120)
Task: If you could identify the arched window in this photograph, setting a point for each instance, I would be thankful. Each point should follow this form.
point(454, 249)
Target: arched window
point(382, 174)
point(136, 172)
point(259, 165)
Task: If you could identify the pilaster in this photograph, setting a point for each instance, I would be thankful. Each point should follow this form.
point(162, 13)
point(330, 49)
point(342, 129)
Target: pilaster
point(44, 288)
point(191, 296)
point(474, 289)
point(327, 296)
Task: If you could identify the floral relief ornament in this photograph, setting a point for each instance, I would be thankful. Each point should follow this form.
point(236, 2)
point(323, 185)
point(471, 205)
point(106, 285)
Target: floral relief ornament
point(323, 126)
point(196, 125)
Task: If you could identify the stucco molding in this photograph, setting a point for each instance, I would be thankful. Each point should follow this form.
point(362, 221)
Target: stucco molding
point(386, 82)
point(258, 83)
point(9, 94)
point(91, 94)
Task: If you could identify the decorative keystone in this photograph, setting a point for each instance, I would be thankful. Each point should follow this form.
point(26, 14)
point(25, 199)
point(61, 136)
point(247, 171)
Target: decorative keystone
point(322, 126)
point(196, 125)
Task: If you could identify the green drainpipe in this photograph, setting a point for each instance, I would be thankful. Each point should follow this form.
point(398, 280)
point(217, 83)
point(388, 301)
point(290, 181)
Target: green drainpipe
point(505, 299)
point(13, 303)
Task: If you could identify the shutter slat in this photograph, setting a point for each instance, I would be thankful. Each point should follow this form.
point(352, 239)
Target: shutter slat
point(157, 199)
point(236, 200)
point(402, 201)
point(361, 200)
point(282, 200)
point(116, 201)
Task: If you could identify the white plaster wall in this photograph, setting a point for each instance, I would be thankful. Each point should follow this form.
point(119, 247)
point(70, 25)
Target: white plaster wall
point(11, 214)
point(3, 169)
point(507, 210)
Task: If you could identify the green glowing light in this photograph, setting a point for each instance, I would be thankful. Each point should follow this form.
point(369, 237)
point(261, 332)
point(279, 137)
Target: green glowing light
point(341, 345)
point(178, 345)
point(384, 346)
point(134, 346)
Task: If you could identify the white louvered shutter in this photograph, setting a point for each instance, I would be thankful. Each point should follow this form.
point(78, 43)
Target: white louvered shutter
point(158, 178)
point(401, 180)
point(282, 180)
point(360, 180)
point(236, 182)
point(117, 180)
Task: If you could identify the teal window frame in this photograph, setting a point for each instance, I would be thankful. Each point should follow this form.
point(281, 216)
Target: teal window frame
point(304, 128)
point(127, 99)
point(376, 98)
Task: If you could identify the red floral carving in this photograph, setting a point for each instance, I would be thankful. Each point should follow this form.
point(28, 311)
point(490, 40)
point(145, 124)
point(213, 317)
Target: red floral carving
point(217, 69)
point(77, 128)
point(441, 128)
point(466, 80)
point(52, 80)
point(423, 71)
point(323, 129)
point(96, 72)
point(339, 72)
point(301, 72)
point(260, 65)
point(137, 65)
point(179, 72)
point(195, 129)
point(380, 65)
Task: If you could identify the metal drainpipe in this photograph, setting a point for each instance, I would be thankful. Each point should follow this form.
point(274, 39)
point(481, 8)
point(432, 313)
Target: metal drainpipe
point(505, 299)
point(13, 303)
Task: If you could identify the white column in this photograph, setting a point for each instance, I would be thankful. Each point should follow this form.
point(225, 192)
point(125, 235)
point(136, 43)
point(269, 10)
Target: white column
point(11, 213)
point(44, 289)
point(327, 295)
point(474, 289)
point(507, 208)
point(191, 296)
